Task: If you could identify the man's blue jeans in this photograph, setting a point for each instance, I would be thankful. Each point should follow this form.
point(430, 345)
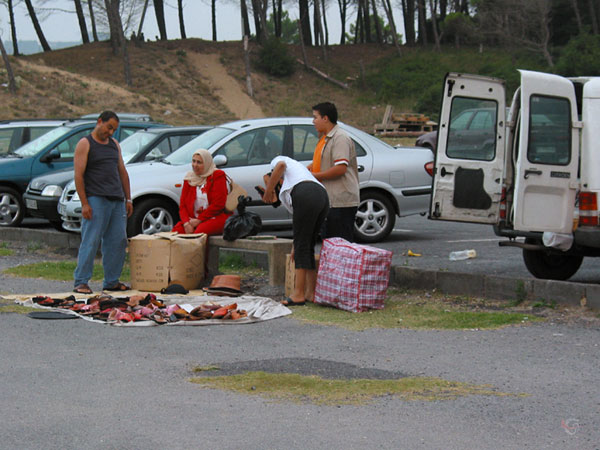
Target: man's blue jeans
point(108, 226)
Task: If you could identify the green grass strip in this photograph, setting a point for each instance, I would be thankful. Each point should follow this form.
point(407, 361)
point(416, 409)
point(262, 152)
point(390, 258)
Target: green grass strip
point(317, 390)
point(61, 271)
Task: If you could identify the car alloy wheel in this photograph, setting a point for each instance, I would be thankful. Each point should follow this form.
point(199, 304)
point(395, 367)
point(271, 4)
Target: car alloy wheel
point(11, 207)
point(375, 217)
point(151, 216)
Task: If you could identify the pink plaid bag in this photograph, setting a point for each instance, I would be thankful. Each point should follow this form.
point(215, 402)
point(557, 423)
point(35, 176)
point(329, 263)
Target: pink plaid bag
point(352, 277)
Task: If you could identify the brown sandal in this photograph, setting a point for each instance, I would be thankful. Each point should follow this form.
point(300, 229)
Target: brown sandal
point(118, 287)
point(82, 289)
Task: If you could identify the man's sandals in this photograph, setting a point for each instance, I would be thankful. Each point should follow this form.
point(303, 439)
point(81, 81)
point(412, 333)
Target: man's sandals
point(118, 287)
point(82, 289)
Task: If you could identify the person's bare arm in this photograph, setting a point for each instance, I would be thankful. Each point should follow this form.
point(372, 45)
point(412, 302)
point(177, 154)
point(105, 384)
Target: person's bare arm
point(269, 195)
point(332, 173)
point(80, 158)
point(125, 182)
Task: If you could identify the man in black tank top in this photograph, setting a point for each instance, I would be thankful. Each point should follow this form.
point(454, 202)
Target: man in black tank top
point(102, 184)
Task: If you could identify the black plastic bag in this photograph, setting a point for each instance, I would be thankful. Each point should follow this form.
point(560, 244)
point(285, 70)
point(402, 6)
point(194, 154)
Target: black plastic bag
point(243, 223)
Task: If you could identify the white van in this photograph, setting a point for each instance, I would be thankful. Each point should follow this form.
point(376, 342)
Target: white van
point(537, 181)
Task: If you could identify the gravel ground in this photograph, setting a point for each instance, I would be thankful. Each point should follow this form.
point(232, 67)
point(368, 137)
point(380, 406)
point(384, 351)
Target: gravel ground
point(71, 384)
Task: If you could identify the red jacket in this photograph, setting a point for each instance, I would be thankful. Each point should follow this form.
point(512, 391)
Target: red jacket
point(216, 192)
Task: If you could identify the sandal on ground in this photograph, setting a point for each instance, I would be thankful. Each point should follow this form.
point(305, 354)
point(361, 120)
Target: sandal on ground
point(82, 289)
point(118, 287)
point(289, 302)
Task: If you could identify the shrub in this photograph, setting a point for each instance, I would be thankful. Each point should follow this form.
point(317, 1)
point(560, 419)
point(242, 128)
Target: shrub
point(581, 56)
point(275, 59)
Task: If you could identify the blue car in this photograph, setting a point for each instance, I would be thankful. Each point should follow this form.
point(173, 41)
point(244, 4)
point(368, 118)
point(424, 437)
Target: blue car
point(50, 152)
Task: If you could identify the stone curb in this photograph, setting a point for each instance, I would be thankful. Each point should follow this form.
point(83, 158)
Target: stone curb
point(453, 283)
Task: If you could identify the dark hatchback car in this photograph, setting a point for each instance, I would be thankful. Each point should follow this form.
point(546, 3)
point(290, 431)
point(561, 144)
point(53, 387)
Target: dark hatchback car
point(48, 153)
point(17, 132)
point(43, 192)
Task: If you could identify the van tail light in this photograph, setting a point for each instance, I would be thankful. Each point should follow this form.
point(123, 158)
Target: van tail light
point(588, 209)
point(503, 203)
point(429, 168)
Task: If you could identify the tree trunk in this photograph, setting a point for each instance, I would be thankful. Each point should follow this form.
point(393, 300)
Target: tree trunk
point(245, 20)
point(377, 24)
point(256, 14)
point(367, 21)
point(318, 38)
point(443, 9)
point(139, 33)
point(387, 7)
point(319, 26)
point(181, 22)
point(436, 36)
point(358, 27)
point(93, 21)
point(422, 22)
point(247, 65)
point(36, 25)
point(80, 17)
point(115, 36)
point(277, 14)
point(305, 22)
point(577, 16)
point(12, 85)
point(300, 32)
point(213, 19)
point(408, 14)
point(159, 11)
point(13, 28)
point(324, 16)
point(343, 5)
point(593, 17)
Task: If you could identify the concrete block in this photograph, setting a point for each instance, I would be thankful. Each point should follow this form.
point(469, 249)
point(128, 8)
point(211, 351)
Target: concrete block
point(563, 292)
point(592, 294)
point(460, 284)
point(411, 278)
point(504, 288)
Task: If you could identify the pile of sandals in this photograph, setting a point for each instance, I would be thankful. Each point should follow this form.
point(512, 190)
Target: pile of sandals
point(144, 307)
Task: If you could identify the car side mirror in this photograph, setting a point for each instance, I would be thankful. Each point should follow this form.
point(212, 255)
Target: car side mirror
point(51, 155)
point(220, 160)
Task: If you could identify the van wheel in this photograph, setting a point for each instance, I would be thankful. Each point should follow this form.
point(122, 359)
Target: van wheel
point(151, 216)
point(550, 266)
point(11, 207)
point(375, 217)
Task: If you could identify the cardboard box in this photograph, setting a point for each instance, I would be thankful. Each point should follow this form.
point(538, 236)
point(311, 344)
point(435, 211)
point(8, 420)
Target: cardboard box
point(160, 259)
point(290, 273)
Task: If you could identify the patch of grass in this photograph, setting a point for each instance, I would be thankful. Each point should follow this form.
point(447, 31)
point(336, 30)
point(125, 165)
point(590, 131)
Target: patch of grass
point(14, 308)
point(62, 271)
point(415, 313)
point(206, 369)
point(233, 263)
point(6, 251)
point(544, 304)
point(317, 390)
point(34, 246)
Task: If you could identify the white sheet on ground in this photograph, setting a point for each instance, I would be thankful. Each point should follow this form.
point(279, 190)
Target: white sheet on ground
point(259, 308)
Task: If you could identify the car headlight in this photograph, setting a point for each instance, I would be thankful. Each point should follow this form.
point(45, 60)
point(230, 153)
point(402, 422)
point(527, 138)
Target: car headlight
point(52, 190)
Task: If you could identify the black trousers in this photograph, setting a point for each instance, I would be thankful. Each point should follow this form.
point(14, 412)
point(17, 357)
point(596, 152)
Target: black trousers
point(311, 204)
point(340, 223)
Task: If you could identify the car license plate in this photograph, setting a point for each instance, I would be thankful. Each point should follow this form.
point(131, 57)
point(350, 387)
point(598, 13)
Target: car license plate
point(61, 209)
point(31, 204)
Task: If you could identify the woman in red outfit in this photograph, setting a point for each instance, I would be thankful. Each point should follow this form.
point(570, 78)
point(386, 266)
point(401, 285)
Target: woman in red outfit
point(203, 197)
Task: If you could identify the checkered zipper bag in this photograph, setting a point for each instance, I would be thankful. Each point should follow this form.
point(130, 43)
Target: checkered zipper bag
point(352, 277)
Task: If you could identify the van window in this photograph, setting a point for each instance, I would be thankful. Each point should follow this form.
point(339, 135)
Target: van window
point(549, 130)
point(472, 131)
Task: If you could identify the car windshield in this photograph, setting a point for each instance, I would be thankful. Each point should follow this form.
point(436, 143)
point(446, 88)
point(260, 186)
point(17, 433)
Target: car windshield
point(206, 140)
point(37, 145)
point(134, 143)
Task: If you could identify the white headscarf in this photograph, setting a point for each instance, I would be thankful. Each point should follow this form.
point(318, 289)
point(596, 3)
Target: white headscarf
point(209, 168)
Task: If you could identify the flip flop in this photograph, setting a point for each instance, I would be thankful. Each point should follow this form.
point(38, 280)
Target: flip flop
point(82, 289)
point(118, 287)
point(289, 302)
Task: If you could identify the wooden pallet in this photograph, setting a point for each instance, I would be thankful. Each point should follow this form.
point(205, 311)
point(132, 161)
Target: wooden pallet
point(403, 125)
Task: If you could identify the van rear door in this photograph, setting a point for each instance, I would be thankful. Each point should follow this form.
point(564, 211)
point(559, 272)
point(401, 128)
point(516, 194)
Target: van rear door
point(548, 154)
point(467, 181)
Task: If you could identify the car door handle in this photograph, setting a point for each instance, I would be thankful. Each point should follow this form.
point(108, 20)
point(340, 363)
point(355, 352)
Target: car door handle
point(361, 168)
point(532, 172)
point(444, 172)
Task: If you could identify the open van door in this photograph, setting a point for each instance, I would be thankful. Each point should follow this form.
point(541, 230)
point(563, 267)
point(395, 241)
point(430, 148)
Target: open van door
point(467, 180)
point(548, 154)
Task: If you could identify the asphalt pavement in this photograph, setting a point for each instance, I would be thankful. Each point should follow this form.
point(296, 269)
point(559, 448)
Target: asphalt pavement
point(72, 384)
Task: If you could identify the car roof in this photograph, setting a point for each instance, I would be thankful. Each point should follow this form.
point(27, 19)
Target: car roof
point(239, 124)
point(138, 117)
point(170, 129)
point(31, 122)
